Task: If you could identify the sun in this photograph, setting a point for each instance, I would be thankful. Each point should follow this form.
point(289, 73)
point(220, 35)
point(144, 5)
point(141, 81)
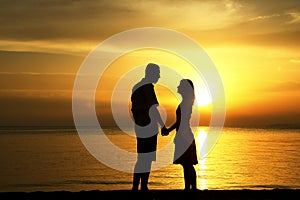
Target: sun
point(202, 97)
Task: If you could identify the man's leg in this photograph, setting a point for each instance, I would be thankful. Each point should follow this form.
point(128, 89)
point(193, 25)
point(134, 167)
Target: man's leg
point(144, 181)
point(141, 173)
point(146, 167)
point(136, 181)
point(145, 175)
point(136, 176)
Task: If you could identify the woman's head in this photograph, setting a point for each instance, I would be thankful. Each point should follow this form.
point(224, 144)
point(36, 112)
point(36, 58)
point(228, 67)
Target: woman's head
point(186, 89)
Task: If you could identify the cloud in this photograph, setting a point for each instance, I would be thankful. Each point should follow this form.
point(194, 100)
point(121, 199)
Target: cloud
point(62, 19)
point(265, 8)
point(35, 110)
point(36, 81)
point(282, 38)
point(286, 86)
point(77, 26)
point(43, 20)
point(295, 17)
point(36, 74)
point(26, 62)
point(98, 19)
point(295, 61)
point(288, 17)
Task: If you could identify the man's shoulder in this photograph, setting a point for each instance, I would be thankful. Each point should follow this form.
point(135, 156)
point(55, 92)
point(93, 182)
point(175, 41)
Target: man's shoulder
point(142, 85)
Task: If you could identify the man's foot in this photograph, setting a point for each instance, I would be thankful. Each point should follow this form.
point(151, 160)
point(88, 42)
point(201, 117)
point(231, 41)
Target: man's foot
point(145, 189)
point(134, 188)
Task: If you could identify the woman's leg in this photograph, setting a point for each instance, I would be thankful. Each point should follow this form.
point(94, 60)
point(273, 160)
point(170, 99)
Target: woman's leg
point(193, 178)
point(186, 177)
point(189, 177)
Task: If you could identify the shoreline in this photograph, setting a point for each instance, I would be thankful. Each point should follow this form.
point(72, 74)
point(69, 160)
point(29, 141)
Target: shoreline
point(157, 194)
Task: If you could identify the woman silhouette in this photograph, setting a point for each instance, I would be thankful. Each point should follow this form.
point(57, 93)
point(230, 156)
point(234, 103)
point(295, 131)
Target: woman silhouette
point(185, 147)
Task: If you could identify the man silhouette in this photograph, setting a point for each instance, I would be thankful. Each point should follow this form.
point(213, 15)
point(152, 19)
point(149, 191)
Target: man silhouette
point(146, 118)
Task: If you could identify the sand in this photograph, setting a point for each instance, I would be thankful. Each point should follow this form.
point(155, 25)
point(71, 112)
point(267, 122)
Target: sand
point(157, 194)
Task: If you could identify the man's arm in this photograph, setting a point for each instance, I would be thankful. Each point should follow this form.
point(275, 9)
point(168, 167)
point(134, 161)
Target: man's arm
point(155, 115)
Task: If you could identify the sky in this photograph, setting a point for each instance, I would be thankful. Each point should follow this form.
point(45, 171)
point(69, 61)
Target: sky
point(254, 44)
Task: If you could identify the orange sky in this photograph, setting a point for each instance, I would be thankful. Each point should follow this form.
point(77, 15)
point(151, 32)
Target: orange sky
point(254, 45)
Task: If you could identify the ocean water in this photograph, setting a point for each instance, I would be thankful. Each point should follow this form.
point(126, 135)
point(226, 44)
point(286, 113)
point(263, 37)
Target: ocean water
point(55, 159)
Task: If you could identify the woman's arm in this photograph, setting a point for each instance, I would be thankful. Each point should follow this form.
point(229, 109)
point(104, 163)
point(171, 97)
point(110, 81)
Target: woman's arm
point(173, 126)
point(177, 122)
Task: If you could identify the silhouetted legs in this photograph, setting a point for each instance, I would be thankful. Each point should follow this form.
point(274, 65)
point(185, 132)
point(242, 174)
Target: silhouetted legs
point(144, 181)
point(189, 177)
point(140, 177)
point(136, 181)
point(141, 174)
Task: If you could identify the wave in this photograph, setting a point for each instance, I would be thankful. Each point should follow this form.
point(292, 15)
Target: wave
point(71, 182)
point(269, 187)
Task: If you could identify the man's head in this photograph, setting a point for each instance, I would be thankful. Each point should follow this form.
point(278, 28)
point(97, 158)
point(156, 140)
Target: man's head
point(152, 72)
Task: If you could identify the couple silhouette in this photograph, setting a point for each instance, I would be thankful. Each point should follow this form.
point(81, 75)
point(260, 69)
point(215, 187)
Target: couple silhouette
point(147, 120)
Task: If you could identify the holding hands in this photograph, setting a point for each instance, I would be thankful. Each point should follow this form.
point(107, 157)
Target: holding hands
point(164, 131)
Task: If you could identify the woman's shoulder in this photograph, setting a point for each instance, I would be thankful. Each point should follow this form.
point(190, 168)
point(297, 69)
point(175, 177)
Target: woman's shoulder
point(178, 108)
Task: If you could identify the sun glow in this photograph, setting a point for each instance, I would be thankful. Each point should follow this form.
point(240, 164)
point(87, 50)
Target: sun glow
point(202, 98)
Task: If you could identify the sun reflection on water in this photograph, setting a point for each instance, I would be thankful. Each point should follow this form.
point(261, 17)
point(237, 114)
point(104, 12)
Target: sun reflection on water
point(201, 175)
point(200, 138)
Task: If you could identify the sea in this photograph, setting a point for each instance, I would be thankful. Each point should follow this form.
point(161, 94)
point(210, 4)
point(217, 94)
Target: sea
point(58, 159)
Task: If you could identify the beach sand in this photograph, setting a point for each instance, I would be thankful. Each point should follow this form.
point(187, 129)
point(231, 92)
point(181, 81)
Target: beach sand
point(158, 194)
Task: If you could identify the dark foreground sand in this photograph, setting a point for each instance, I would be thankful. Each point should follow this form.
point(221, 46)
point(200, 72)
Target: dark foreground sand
point(281, 194)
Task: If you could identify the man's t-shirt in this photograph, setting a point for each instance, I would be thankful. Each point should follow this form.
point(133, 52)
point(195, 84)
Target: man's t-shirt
point(142, 98)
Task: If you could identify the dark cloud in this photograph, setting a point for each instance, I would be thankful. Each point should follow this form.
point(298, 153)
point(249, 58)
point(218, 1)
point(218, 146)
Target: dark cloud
point(287, 119)
point(27, 111)
point(61, 19)
point(98, 19)
point(36, 81)
point(37, 108)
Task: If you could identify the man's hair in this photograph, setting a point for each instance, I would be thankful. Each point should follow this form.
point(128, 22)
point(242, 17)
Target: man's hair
point(151, 68)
